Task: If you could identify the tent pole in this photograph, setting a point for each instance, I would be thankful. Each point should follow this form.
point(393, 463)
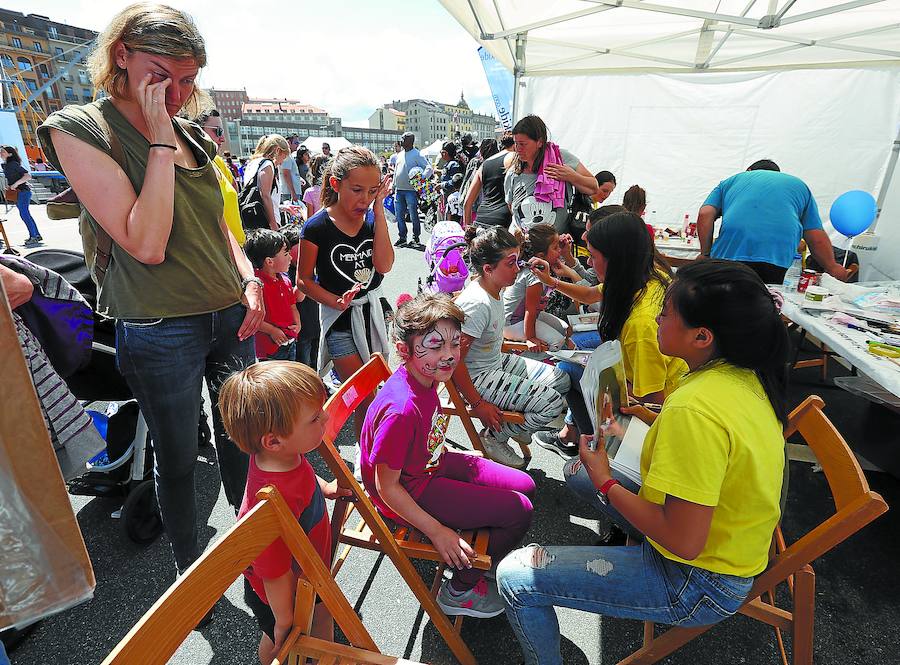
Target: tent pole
point(888, 177)
point(518, 70)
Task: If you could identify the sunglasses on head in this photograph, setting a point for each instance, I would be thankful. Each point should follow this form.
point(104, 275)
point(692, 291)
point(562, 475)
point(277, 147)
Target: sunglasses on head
point(218, 131)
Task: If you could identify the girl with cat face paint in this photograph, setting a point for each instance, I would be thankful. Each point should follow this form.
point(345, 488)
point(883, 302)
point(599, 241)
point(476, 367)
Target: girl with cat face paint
point(345, 251)
point(414, 480)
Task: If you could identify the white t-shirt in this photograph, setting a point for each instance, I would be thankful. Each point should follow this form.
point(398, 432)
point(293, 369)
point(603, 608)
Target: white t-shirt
point(290, 164)
point(484, 323)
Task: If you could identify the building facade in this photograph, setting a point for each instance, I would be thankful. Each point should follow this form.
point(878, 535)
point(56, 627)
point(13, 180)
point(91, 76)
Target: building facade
point(38, 54)
point(260, 117)
point(379, 141)
point(431, 121)
point(388, 118)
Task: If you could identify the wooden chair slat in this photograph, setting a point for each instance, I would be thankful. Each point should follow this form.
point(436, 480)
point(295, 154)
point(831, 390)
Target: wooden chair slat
point(162, 629)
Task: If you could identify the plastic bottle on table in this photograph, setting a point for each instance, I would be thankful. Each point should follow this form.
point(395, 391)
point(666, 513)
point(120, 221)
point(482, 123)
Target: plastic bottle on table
point(792, 276)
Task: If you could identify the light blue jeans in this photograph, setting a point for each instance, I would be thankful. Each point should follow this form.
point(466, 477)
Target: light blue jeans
point(406, 200)
point(583, 340)
point(634, 582)
point(583, 487)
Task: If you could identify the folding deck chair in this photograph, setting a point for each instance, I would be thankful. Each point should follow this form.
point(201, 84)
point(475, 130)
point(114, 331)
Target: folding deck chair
point(399, 543)
point(856, 506)
point(164, 627)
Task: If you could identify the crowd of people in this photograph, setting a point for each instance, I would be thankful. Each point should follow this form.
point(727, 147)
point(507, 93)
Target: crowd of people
point(207, 282)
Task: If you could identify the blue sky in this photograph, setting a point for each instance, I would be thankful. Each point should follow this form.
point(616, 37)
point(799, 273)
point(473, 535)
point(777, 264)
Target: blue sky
point(346, 56)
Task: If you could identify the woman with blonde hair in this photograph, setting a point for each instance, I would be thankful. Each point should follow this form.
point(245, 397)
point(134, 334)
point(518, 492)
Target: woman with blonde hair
point(260, 183)
point(183, 294)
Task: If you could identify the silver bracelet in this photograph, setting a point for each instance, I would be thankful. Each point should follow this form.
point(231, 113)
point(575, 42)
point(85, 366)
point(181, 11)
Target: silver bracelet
point(250, 280)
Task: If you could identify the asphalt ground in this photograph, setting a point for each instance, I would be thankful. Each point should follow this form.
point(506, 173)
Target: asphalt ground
point(857, 584)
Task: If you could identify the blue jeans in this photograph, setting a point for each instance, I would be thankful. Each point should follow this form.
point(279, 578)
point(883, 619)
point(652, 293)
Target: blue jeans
point(285, 352)
point(583, 340)
point(23, 200)
point(582, 486)
point(634, 582)
point(164, 362)
point(407, 200)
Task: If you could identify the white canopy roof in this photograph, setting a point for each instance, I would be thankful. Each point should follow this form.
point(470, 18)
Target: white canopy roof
point(433, 150)
point(540, 38)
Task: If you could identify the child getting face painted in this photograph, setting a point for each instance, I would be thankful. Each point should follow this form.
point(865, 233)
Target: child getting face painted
point(413, 480)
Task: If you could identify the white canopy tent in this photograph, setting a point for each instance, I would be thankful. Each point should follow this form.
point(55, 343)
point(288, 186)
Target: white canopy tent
point(434, 150)
point(680, 95)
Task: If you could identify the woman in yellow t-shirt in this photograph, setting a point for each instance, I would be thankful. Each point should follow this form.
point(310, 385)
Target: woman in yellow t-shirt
point(712, 468)
point(633, 281)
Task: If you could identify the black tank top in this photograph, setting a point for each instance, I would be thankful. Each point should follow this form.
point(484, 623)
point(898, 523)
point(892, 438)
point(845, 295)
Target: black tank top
point(493, 209)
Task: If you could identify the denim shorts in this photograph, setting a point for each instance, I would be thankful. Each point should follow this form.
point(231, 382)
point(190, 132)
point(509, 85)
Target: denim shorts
point(340, 343)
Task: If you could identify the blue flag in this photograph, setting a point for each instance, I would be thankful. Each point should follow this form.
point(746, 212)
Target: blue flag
point(501, 83)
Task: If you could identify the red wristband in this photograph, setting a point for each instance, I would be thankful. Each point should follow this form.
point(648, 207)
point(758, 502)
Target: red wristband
point(608, 485)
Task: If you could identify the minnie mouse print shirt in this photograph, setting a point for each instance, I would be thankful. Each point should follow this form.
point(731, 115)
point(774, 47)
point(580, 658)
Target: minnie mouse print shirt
point(342, 261)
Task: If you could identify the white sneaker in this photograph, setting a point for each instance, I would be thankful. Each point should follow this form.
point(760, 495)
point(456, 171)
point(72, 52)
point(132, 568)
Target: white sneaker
point(482, 601)
point(502, 452)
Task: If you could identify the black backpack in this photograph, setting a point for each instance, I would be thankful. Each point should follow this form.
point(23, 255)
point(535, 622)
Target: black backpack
point(250, 202)
point(579, 210)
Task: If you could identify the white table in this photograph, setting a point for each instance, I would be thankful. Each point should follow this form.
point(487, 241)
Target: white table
point(677, 248)
point(847, 343)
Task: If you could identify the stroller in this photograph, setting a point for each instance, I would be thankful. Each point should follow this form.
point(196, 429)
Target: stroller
point(447, 269)
point(124, 469)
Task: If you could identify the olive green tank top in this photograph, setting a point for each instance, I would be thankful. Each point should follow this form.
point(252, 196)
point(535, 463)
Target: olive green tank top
point(198, 274)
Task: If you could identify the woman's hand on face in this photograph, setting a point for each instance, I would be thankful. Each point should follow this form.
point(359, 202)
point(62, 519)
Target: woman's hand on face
point(560, 172)
point(256, 311)
point(540, 269)
point(596, 462)
point(152, 100)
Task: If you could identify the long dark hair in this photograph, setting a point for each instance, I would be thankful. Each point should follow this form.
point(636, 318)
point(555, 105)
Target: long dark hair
point(13, 153)
point(535, 129)
point(731, 300)
point(486, 246)
point(538, 240)
point(623, 240)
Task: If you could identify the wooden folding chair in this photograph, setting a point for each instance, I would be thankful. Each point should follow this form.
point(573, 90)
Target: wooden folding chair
point(164, 627)
point(455, 405)
point(856, 505)
point(372, 532)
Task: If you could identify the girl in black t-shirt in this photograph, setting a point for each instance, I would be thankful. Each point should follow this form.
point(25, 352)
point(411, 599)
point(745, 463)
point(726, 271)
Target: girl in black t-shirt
point(345, 251)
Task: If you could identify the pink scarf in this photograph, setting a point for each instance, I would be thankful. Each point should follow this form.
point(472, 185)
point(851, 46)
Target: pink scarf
point(545, 187)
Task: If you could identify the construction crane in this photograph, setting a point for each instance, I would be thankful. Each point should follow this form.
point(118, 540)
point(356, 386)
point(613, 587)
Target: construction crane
point(17, 97)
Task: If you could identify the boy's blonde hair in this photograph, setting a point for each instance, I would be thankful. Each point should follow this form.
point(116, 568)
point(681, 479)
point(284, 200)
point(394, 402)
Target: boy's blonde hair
point(148, 28)
point(268, 398)
point(417, 316)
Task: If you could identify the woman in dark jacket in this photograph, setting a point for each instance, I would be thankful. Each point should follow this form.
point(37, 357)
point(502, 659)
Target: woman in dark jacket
point(17, 177)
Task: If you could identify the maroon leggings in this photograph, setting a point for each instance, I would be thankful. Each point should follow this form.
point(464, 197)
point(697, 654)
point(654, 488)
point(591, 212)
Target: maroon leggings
point(469, 492)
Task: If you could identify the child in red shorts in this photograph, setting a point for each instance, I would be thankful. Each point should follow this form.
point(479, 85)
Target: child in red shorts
point(273, 412)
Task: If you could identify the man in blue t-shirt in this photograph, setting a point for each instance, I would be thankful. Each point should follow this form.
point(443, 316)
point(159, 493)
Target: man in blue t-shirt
point(764, 214)
point(405, 197)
